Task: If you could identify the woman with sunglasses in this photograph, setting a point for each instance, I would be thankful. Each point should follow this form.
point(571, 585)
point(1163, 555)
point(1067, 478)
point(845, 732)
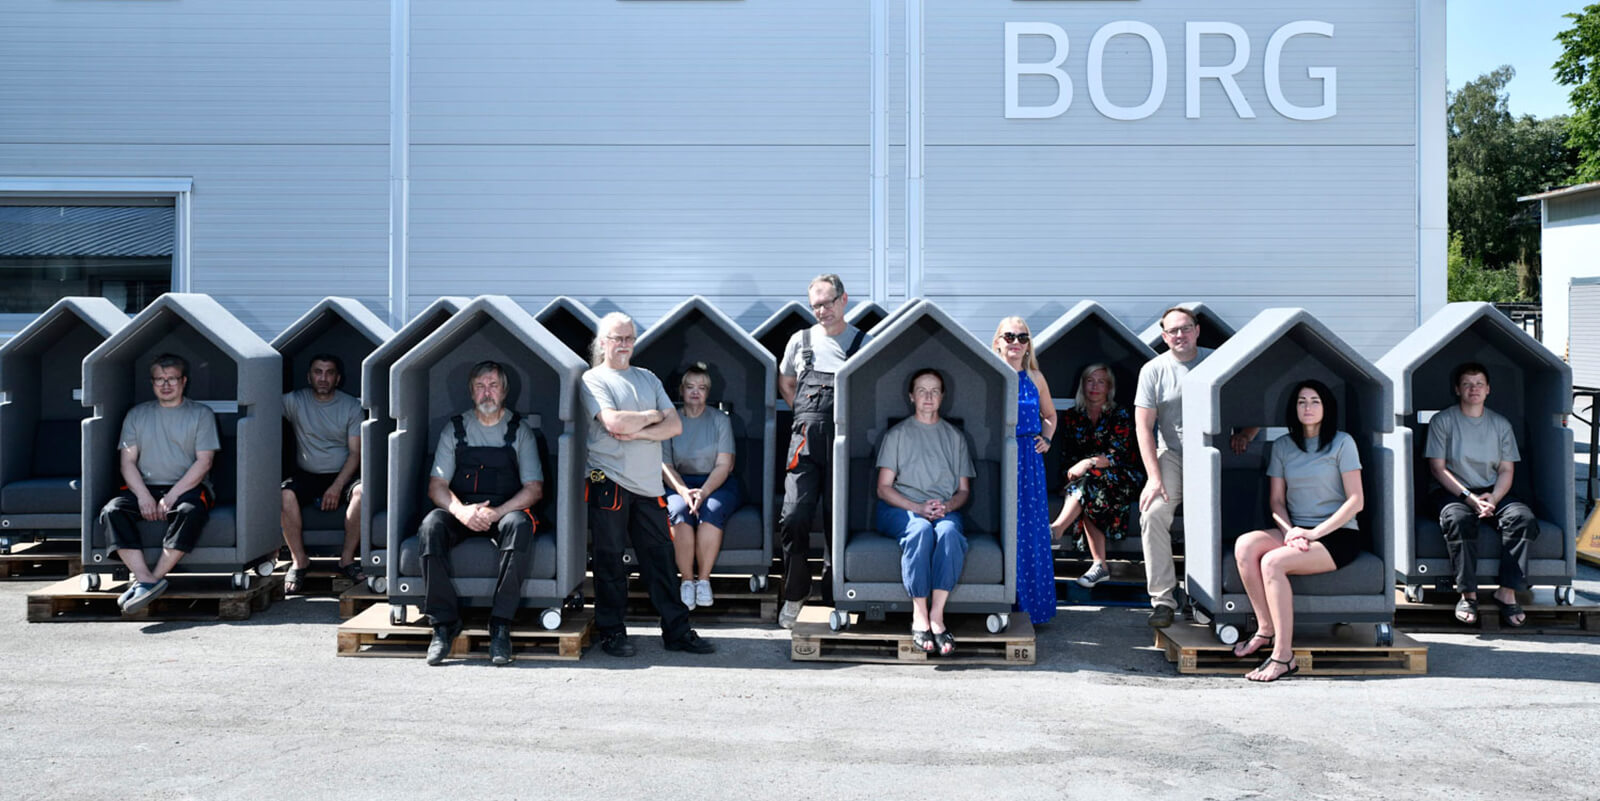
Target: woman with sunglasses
point(1103, 472)
point(1036, 424)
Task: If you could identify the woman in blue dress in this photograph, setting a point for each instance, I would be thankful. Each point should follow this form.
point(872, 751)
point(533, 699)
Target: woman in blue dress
point(1036, 424)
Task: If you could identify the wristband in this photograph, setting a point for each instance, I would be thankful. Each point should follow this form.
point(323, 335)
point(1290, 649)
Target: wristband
point(1466, 495)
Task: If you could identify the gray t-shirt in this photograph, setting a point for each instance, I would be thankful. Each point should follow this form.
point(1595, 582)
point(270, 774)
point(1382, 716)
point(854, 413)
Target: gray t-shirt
point(1161, 388)
point(1313, 480)
point(322, 431)
point(1472, 448)
point(635, 464)
point(482, 436)
point(694, 452)
point(928, 460)
point(168, 439)
point(827, 352)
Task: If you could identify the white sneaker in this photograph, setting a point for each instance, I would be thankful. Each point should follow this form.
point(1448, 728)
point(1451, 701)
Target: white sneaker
point(702, 593)
point(789, 614)
point(686, 592)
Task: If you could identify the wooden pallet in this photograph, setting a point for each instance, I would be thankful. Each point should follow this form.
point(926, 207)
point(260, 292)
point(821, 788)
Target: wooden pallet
point(372, 634)
point(356, 599)
point(187, 598)
point(735, 603)
point(42, 560)
point(890, 642)
point(322, 580)
point(1545, 616)
point(1126, 587)
point(1348, 651)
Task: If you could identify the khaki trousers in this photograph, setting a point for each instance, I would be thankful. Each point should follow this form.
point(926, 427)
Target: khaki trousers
point(1155, 531)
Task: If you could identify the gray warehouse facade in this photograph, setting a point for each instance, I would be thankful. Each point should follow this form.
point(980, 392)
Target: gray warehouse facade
point(996, 156)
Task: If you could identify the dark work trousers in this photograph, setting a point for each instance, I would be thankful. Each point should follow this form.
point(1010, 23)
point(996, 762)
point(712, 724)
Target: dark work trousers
point(120, 518)
point(1459, 522)
point(440, 531)
point(619, 518)
point(810, 464)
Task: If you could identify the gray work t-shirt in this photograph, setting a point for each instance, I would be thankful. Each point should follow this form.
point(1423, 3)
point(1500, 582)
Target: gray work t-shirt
point(1472, 448)
point(482, 436)
point(1313, 480)
point(928, 459)
point(694, 452)
point(168, 439)
point(827, 352)
point(322, 431)
point(1161, 388)
point(635, 464)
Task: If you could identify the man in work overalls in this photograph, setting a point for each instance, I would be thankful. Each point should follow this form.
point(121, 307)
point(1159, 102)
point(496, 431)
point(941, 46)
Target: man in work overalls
point(805, 379)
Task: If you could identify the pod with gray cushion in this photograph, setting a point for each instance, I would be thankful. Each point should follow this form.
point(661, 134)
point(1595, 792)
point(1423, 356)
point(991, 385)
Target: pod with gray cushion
point(345, 328)
point(1528, 384)
point(240, 377)
point(375, 431)
point(744, 385)
point(41, 418)
point(1247, 382)
point(981, 399)
point(428, 385)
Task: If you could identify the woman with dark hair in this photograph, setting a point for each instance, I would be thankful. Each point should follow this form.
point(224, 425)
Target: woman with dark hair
point(1315, 477)
point(697, 467)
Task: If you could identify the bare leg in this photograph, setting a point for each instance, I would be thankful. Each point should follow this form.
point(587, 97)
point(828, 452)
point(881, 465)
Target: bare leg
point(293, 530)
point(1069, 512)
point(1247, 553)
point(134, 559)
point(683, 550)
point(707, 544)
point(1506, 595)
point(169, 560)
point(1096, 539)
point(352, 528)
point(1276, 568)
point(919, 614)
point(936, 614)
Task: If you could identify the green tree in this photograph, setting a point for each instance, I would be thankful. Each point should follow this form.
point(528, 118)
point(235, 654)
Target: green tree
point(1466, 280)
point(1579, 68)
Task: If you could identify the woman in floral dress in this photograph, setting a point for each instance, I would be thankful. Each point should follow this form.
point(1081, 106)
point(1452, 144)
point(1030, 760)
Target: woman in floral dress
point(1103, 472)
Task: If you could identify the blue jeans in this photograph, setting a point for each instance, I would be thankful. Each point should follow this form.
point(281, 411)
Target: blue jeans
point(931, 554)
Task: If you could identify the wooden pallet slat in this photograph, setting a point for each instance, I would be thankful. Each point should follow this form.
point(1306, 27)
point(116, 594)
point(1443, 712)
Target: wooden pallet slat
point(372, 634)
point(1347, 652)
point(885, 643)
point(357, 598)
point(1544, 615)
point(188, 598)
point(44, 559)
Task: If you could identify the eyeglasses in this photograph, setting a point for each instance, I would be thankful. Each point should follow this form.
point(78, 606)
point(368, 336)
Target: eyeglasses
point(1010, 337)
point(1187, 328)
point(823, 304)
point(166, 382)
point(629, 340)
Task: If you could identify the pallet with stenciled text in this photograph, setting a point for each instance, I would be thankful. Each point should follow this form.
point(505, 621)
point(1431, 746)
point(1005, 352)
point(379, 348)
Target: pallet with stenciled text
point(188, 598)
point(890, 642)
point(1345, 651)
point(44, 559)
point(373, 634)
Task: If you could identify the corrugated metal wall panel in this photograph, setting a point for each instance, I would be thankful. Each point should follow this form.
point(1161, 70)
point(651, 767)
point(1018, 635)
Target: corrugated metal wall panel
point(1584, 301)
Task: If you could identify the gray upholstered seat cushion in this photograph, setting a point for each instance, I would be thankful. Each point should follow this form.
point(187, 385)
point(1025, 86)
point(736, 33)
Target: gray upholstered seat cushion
point(220, 531)
point(873, 557)
point(41, 496)
point(477, 557)
point(312, 518)
point(744, 529)
point(1550, 543)
point(1364, 576)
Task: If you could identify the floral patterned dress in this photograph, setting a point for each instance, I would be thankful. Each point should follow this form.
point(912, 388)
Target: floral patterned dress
point(1036, 566)
point(1107, 494)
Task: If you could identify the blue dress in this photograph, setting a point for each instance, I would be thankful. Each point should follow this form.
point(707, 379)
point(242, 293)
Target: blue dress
point(1036, 567)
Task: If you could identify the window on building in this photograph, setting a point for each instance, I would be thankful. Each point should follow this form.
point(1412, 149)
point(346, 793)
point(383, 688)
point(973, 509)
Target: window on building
point(116, 248)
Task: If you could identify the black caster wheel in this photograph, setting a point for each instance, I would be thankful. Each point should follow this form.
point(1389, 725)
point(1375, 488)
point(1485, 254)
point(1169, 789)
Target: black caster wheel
point(1383, 635)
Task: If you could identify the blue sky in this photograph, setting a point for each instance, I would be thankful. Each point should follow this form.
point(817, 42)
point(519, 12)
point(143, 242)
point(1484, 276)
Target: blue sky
point(1484, 34)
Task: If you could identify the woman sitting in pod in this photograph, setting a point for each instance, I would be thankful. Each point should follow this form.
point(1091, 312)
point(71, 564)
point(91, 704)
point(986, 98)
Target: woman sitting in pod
point(1103, 471)
point(702, 493)
point(1315, 477)
point(925, 476)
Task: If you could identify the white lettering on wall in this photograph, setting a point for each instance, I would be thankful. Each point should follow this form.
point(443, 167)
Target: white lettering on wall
point(1194, 71)
point(1328, 75)
point(1015, 69)
point(1158, 70)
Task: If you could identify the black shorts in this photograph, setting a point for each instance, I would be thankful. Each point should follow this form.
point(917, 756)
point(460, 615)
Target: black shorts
point(1344, 545)
point(309, 487)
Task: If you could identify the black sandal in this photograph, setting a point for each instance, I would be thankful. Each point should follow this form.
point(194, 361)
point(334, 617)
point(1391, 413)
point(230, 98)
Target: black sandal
point(1253, 637)
point(1511, 610)
point(1290, 664)
point(947, 642)
point(923, 640)
point(296, 580)
point(1465, 607)
point(353, 572)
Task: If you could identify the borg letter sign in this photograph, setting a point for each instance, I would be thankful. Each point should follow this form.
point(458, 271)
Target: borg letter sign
point(1194, 71)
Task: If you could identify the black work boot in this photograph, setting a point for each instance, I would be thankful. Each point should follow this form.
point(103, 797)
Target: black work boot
point(444, 636)
point(500, 642)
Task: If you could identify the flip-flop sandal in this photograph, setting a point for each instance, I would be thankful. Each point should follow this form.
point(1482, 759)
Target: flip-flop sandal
point(923, 640)
point(296, 580)
point(1509, 611)
point(1467, 611)
point(1266, 643)
point(947, 642)
point(1290, 664)
point(353, 572)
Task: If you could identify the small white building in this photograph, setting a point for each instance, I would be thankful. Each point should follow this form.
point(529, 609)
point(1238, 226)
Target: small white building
point(1570, 277)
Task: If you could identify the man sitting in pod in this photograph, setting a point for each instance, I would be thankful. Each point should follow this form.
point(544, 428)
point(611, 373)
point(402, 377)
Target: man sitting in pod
point(924, 478)
point(327, 436)
point(166, 449)
point(485, 480)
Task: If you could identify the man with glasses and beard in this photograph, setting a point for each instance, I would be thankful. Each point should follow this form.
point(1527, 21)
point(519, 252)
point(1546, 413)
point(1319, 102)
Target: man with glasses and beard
point(485, 480)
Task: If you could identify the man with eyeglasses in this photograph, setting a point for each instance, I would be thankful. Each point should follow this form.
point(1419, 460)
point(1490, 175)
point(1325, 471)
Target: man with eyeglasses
point(805, 380)
point(166, 449)
point(632, 416)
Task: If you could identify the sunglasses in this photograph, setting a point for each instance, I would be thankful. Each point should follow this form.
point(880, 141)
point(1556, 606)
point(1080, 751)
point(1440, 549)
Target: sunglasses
point(1010, 337)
